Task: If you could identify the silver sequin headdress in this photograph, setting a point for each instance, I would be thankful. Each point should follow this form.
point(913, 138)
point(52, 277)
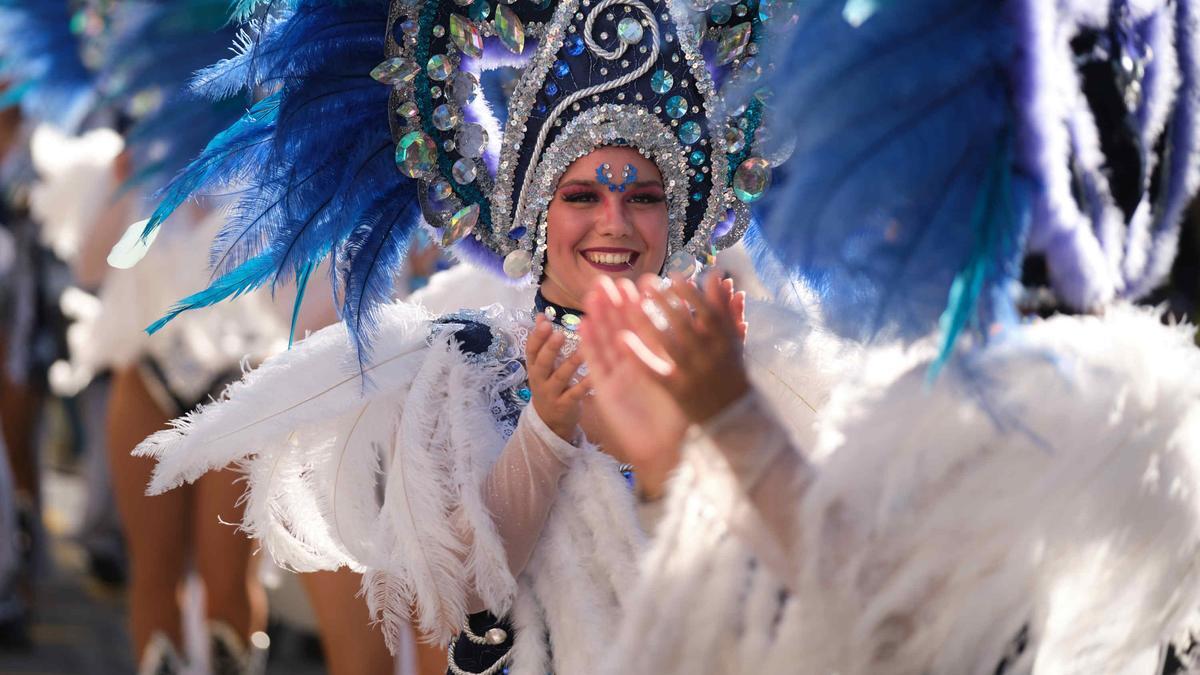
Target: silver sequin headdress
point(591, 73)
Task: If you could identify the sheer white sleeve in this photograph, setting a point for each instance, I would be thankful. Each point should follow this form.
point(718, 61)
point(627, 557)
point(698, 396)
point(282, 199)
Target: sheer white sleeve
point(521, 487)
point(749, 444)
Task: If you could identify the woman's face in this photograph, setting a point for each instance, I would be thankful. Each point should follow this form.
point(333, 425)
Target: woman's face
point(595, 228)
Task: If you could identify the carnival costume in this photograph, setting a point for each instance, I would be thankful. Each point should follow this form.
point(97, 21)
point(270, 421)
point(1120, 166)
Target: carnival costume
point(1005, 495)
point(401, 443)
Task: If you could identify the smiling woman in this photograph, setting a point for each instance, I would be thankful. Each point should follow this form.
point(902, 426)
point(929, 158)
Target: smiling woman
point(597, 226)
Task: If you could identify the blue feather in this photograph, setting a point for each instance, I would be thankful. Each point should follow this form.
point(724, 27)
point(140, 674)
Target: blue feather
point(244, 279)
point(317, 178)
point(301, 286)
point(895, 123)
point(41, 58)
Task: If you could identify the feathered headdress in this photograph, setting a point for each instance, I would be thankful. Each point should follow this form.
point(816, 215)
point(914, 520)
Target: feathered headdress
point(375, 120)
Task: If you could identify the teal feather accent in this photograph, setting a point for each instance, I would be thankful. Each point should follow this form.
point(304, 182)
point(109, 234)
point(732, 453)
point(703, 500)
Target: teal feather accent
point(301, 286)
point(245, 278)
point(993, 220)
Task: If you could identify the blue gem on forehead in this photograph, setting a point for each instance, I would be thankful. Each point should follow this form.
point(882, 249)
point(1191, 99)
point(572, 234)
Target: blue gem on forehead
point(604, 177)
point(574, 45)
point(561, 69)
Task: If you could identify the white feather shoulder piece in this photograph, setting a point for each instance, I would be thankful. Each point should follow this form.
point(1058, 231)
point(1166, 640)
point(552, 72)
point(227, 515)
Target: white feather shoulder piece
point(1035, 510)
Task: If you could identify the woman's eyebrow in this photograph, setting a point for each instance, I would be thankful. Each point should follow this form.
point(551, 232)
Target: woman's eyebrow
point(592, 183)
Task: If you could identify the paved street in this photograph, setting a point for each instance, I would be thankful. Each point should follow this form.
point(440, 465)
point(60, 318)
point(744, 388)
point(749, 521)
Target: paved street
point(79, 628)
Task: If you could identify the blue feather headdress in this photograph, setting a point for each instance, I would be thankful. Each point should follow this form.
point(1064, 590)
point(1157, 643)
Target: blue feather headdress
point(41, 58)
point(375, 120)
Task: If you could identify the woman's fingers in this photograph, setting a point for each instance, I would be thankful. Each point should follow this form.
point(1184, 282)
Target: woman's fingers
point(643, 357)
point(543, 362)
point(578, 390)
point(562, 375)
point(537, 338)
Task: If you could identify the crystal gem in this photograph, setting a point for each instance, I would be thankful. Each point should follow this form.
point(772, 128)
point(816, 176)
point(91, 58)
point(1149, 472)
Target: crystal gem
point(463, 87)
point(441, 190)
point(721, 13)
point(495, 636)
point(471, 139)
point(479, 10)
point(463, 171)
point(561, 69)
point(751, 69)
point(540, 108)
point(629, 30)
point(697, 157)
point(408, 109)
point(394, 71)
point(696, 196)
point(438, 31)
point(444, 117)
point(517, 232)
point(733, 43)
point(735, 139)
point(524, 392)
point(741, 10)
point(703, 5)
point(689, 132)
point(416, 154)
point(574, 45)
point(448, 145)
point(438, 67)
point(466, 36)
point(676, 107)
point(510, 29)
point(571, 321)
point(661, 82)
point(751, 180)
point(681, 263)
point(551, 89)
point(551, 313)
point(461, 223)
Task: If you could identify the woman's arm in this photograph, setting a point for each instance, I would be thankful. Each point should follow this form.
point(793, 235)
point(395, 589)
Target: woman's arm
point(693, 351)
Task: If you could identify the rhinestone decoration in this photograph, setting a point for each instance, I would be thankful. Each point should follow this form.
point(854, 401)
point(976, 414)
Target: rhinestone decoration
point(735, 140)
point(561, 69)
point(461, 223)
point(517, 264)
point(466, 36)
point(574, 45)
point(510, 29)
point(751, 180)
point(463, 171)
point(697, 158)
point(438, 68)
point(407, 111)
point(721, 13)
point(676, 107)
point(733, 43)
point(681, 263)
point(416, 154)
point(479, 10)
point(462, 88)
point(661, 82)
point(444, 117)
point(689, 133)
point(471, 139)
point(441, 190)
point(495, 636)
point(629, 31)
point(395, 71)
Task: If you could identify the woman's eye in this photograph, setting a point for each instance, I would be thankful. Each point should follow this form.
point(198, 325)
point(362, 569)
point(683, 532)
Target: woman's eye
point(579, 197)
point(647, 199)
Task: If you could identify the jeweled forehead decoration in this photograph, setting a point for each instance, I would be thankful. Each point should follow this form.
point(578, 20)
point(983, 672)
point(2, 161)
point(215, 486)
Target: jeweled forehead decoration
point(635, 68)
point(605, 177)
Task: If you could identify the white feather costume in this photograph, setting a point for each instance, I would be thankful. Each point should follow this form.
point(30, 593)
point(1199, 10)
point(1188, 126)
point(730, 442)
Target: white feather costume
point(388, 477)
point(1036, 509)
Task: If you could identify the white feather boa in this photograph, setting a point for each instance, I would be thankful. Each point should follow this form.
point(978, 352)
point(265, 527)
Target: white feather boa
point(387, 478)
point(1050, 481)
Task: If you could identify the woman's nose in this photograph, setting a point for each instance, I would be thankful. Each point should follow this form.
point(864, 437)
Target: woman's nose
point(614, 218)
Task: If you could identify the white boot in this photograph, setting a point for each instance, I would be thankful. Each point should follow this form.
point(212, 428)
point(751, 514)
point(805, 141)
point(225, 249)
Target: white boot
point(160, 657)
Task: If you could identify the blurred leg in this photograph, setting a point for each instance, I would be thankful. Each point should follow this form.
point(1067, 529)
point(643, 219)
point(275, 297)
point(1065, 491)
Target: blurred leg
point(156, 528)
point(233, 594)
point(351, 644)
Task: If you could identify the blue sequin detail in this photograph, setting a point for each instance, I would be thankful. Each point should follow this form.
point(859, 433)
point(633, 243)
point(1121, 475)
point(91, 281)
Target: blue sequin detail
point(540, 108)
point(561, 69)
point(574, 45)
point(551, 89)
point(517, 232)
point(697, 157)
point(525, 394)
point(696, 196)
